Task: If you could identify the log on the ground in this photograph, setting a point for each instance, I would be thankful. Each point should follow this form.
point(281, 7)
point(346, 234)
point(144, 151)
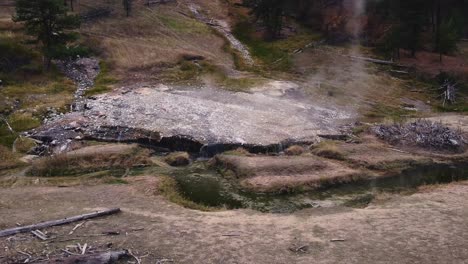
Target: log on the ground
point(376, 61)
point(22, 229)
point(98, 258)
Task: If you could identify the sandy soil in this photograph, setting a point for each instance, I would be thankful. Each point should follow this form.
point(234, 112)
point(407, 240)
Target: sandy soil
point(427, 227)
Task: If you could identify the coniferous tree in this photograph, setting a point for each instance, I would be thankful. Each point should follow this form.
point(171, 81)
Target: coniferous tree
point(270, 13)
point(127, 4)
point(412, 20)
point(49, 23)
point(448, 37)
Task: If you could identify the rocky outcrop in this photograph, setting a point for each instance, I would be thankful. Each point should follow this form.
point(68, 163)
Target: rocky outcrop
point(82, 71)
point(197, 120)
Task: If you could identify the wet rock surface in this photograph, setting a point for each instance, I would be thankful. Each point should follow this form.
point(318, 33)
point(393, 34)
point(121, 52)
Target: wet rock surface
point(82, 71)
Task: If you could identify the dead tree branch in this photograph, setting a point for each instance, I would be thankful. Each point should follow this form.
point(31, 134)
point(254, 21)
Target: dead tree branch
point(22, 229)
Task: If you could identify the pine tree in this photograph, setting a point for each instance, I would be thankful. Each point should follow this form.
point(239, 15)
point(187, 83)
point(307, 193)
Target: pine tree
point(127, 4)
point(49, 23)
point(448, 37)
point(270, 12)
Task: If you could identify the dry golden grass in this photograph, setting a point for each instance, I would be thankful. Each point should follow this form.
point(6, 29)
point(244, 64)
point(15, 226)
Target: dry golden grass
point(82, 163)
point(329, 150)
point(177, 159)
point(23, 144)
point(8, 159)
point(153, 37)
point(294, 150)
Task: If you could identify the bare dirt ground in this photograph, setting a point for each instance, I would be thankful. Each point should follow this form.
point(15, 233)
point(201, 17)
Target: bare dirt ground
point(427, 227)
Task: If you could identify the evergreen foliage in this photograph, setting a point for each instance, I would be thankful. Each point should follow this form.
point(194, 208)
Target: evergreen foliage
point(49, 23)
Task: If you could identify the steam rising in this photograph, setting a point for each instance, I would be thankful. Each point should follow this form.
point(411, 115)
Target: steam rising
point(336, 78)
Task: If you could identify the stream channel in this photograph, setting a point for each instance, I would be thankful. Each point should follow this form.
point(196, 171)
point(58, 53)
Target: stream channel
point(211, 189)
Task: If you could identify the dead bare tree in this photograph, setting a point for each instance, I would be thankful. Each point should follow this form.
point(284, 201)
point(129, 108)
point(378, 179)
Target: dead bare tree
point(5, 120)
point(449, 92)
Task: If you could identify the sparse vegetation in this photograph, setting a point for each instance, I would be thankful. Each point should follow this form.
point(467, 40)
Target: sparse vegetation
point(169, 189)
point(329, 150)
point(23, 144)
point(294, 150)
point(8, 159)
point(23, 122)
point(238, 152)
point(190, 72)
point(27, 93)
point(395, 113)
point(152, 39)
point(115, 181)
point(178, 159)
point(161, 65)
point(103, 82)
point(274, 55)
point(69, 164)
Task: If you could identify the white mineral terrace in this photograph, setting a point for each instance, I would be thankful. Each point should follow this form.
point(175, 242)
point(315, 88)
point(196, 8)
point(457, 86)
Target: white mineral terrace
point(216, 116)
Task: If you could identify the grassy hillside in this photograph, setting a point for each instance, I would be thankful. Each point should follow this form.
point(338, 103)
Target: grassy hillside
point(28, 92)
point(152, 39)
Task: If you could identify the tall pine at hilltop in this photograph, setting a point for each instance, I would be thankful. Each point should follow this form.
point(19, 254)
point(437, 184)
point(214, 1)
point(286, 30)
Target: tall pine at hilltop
point(50, 24)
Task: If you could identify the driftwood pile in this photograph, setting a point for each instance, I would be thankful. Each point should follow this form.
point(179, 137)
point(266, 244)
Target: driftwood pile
point(422, 133)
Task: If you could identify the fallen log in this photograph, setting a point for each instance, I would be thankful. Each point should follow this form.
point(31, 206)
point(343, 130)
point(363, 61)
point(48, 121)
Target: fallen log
point(99, 258)
point(399, 72)
point(22, 229)
point(376, 61)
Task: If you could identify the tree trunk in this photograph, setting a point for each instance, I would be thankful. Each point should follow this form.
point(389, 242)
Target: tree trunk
point(47, 62)
point(438, 22)
point(22, 229)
